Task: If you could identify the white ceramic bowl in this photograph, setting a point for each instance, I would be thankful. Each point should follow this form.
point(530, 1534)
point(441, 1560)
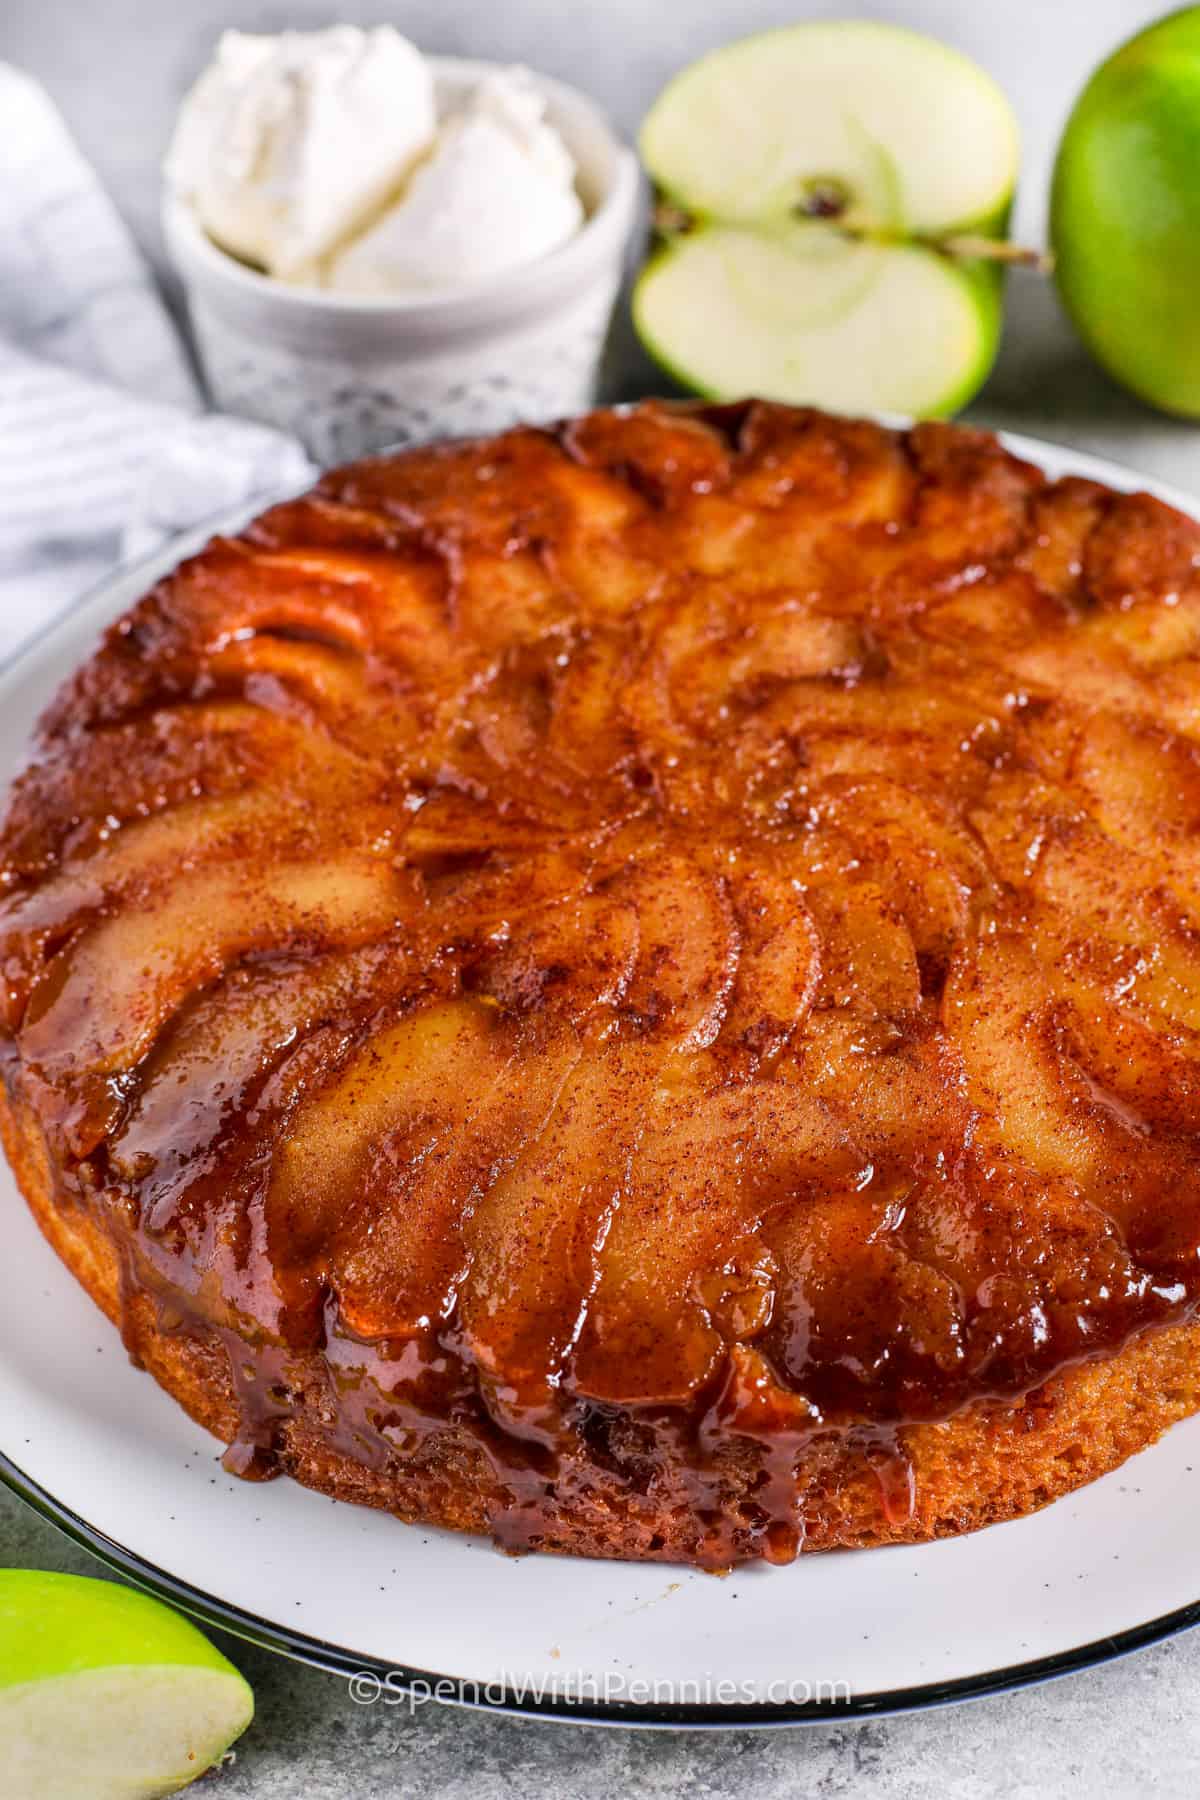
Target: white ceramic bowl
point(348, 374)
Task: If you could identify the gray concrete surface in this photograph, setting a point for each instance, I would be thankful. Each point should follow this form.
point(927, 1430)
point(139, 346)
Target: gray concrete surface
point(117, 68)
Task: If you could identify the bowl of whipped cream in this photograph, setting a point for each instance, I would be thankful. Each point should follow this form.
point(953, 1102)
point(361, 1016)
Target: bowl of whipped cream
point(382, 247)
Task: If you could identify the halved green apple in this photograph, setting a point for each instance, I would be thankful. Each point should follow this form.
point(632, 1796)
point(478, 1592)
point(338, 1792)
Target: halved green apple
point(829, 193)
point(106, 1694)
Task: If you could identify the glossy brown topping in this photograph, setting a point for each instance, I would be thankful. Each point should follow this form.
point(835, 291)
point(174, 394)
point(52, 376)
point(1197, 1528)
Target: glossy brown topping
point(692, 909)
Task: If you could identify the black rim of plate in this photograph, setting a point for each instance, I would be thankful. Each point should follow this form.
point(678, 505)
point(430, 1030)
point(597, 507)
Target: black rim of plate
point(335, 1660)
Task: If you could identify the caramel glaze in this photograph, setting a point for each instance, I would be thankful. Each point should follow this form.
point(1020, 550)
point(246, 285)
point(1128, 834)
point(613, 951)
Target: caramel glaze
point(672, 937)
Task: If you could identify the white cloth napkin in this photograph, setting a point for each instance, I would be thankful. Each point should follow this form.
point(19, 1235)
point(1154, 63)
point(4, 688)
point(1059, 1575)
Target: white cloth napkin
point(105, 450)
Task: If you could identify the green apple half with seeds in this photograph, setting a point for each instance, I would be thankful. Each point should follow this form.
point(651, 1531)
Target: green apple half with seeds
point(833, 200)
point(106, 1694)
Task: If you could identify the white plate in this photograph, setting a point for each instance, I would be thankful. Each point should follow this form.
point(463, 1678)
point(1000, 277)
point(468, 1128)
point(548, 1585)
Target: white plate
point(107, 1455)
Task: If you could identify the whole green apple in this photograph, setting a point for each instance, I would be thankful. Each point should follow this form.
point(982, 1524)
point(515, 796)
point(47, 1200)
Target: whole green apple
point(1125, 214)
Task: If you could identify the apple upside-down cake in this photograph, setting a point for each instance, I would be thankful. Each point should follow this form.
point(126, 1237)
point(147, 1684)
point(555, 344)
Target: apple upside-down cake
point(636, 986)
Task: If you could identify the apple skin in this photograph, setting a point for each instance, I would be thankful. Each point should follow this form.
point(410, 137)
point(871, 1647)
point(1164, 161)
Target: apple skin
point(53, 1625)
point(1125, 214)
point(985, 283)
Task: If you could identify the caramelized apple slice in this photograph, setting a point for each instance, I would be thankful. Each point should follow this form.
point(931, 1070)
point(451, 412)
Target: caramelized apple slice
point(867, 956)
point(892, 1085)
point(398, 1262)
point(660, 454)
point(711, 1162)
point(779, 961)
point(536, 1237)
point(504, 600)
point(859, 1311)
point(829, 478)
point(1091, 889)
point(145, 852)
point(535, 1240)
point(100, 784)
point(207, 1070)
point(1155, 639)
point(562, 962)
point(709, 536)
point(1063, 516)
point(790, 644)
point(401, 1100)
point(684, 628)
point(460, 1091)
point(1145, 785)
point(687, 958)
point(597, 556)
point(915, 852)
point(586, 729)
point(104, 999)
point(472, 895)
point(297, 679)
point(999, 1010)
point(328, 796)
point(1148, 1079)
point(644, 1332)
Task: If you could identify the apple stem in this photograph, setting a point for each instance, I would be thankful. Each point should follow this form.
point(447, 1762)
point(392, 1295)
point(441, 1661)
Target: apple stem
point(986, 249)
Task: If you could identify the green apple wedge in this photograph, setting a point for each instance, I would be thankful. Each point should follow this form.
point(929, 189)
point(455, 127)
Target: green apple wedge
point(106, 1694)
point(830, 200)
point(1125, 214)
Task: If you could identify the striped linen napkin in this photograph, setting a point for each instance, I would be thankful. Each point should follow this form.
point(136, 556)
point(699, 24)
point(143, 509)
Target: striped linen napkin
point(105, 449)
